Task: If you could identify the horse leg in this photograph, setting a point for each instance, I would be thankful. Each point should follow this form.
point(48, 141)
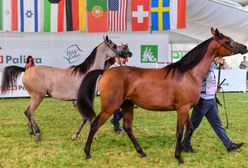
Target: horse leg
point(182, 117)
point(97, 123)
point(128, 107)
point(33, 127)
point(188, 133)
point(75, 135)
point(30, 126)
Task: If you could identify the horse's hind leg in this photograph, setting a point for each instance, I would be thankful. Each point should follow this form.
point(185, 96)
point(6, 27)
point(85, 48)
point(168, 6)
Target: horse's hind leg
point(128, 107)
point(32, 125)
point(182, 117)
point(75, 135)
point(97, 123)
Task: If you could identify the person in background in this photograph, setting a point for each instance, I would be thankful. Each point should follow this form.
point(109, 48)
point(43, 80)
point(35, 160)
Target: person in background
point(224, 65)
point(29, 62)
point(244, 65)
point(207, 107)
point(118, 114)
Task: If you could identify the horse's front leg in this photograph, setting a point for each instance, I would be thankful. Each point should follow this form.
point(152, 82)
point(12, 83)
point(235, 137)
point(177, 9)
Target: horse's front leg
point(127, 125)
point(188, 133)
point(182, 117)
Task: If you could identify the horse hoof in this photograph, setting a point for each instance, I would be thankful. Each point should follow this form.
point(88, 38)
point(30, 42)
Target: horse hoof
point(74, 137)
point(143, 155)
point(180, 161)
point(37, 137)
point(87, 157)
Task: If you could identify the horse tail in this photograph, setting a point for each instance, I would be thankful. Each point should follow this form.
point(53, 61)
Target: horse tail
point(86, 94)
point(10, 75)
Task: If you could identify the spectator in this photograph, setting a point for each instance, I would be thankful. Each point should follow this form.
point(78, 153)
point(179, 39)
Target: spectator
point(29, 62)
point(224, 65)
point(118, 114)
point(244, 65)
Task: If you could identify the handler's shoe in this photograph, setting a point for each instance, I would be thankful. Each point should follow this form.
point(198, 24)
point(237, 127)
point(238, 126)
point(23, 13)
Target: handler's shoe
point(189, 149)
point(234, 146)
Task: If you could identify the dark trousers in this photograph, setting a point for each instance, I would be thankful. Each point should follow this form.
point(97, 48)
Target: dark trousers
point(209, 109)
point(118, 114)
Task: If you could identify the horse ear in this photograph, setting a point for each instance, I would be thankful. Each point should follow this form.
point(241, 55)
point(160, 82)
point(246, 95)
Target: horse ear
point(107, 39)
point(215, 32)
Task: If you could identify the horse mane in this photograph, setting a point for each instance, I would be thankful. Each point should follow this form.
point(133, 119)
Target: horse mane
point(191, 59)
point(85, 66)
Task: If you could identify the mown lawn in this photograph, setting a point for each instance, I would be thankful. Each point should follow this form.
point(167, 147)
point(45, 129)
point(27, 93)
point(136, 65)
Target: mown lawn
point(155, 132)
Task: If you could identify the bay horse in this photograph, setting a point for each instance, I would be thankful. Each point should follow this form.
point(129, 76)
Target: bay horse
point(61, 84)
point(173, 87)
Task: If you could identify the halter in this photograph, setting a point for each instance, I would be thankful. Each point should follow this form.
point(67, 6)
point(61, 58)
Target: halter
point(115, 51)
point(227, 47)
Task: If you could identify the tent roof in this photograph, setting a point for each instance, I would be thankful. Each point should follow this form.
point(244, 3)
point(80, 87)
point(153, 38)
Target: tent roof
point(228, 16)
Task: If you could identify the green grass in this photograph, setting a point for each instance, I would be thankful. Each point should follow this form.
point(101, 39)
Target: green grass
point(155, 132)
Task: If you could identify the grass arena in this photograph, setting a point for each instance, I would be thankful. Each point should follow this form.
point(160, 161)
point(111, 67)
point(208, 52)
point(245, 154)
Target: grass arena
point(154, 131)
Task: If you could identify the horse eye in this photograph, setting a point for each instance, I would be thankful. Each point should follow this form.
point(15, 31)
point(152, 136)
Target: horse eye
point(115, 46)
point(229, 43)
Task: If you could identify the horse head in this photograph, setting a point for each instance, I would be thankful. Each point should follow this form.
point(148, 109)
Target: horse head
point(110, 48)
point(124, 51)
point(226, 45)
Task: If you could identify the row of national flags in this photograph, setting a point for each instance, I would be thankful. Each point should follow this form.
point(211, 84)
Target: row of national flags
point(91, 15)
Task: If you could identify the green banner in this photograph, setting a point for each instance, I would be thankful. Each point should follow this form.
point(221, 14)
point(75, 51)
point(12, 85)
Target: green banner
point(177, 55)
point(149, 53)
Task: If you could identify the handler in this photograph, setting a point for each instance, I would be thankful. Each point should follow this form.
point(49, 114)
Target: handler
point(207, 106)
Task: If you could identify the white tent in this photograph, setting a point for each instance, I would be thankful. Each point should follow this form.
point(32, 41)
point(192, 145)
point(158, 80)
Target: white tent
point(230, 18)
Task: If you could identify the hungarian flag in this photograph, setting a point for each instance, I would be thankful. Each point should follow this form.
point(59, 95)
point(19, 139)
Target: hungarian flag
point(168, 14)
point(140, 15)
point(97, 15)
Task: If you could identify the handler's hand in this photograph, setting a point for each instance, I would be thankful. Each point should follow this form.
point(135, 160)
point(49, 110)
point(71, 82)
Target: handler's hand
point(218, 89)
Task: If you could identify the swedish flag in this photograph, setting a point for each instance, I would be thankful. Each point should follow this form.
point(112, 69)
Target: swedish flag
point(160, 16)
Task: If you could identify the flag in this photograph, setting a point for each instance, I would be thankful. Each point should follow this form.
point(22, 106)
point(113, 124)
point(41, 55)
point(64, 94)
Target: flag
point(29, 21)
point(160, 17)
point(178, 14)
point(140, 15)
point(9, 14)
point(117, 16)
point(97, 15)
point(14, 15)
point(82, 14)
point(168, 14)
point(53, 16)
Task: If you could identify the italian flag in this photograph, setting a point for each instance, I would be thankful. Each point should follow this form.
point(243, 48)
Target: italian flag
point(97, 15)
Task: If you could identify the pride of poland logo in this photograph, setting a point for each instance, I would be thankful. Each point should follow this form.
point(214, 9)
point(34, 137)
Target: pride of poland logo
point(97, 11)
point(149, 53)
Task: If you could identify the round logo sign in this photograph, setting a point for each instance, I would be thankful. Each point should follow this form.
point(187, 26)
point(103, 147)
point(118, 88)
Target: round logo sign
point(97, 11)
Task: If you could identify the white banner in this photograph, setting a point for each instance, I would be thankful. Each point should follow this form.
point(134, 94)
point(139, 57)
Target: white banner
point(235, 80)
point(66, 49)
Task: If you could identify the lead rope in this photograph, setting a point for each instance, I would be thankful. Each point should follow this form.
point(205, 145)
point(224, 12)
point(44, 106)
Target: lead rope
point(224, 106)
